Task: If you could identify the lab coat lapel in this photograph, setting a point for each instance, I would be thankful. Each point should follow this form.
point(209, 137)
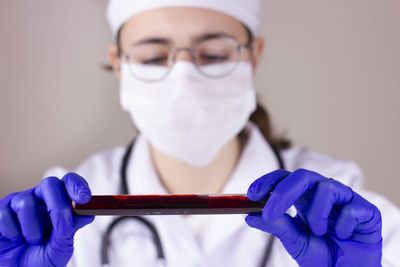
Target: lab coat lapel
point(143, 179)
point(257, 159)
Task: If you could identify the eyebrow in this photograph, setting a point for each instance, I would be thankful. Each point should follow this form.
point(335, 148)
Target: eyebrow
point(212, 35)
point(202, 37)
point(153, 40)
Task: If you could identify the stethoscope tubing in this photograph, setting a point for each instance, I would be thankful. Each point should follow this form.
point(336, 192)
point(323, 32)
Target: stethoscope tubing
point(161, 261)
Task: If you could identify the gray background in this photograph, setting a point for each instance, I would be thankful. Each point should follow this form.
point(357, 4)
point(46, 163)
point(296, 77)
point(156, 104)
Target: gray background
point(330, 78)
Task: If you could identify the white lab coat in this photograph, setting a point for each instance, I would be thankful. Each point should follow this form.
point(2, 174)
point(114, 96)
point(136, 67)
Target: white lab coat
point(223, 240)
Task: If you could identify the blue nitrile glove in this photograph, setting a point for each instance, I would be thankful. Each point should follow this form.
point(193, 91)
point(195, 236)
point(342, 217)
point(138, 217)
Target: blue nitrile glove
point(334, 226)
point(37, 225)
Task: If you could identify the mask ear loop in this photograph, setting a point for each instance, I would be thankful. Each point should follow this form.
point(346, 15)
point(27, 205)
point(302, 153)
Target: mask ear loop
point(250, 43)
point(251, 50)
point(120, 58)
point(119, 54)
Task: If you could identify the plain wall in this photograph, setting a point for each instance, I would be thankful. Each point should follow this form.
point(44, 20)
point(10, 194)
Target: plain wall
point(330, 77)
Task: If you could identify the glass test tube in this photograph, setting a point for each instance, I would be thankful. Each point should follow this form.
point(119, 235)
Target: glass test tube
point(132, 205)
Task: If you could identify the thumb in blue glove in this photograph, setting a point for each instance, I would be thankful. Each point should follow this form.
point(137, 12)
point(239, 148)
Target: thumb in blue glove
point(333, 227)
point(37, 225)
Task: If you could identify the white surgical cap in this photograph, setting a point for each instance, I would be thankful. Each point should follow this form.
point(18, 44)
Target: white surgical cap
point(246, 11)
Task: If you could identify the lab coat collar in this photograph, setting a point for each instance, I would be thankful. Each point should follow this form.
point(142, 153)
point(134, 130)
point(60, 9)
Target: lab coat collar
point(142, 174)
point(257, 158)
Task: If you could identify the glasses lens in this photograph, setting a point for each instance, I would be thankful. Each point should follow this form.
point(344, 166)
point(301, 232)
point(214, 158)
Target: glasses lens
point(217, 57)
point(149, 61)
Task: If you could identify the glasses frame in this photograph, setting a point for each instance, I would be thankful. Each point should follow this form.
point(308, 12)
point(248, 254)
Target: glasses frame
point(173, 52)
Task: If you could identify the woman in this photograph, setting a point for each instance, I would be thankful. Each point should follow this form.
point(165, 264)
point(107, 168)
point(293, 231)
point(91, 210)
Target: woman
point(186, 71)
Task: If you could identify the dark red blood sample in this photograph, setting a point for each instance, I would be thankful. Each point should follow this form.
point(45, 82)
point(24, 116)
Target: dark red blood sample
point(130, 205)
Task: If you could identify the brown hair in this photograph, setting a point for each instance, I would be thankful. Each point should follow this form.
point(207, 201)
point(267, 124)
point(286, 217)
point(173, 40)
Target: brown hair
point(262, 119)
point(260, 116)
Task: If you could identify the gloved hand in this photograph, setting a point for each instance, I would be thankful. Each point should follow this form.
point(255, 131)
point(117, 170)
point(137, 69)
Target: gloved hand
point(334, 226)
point(37, 225)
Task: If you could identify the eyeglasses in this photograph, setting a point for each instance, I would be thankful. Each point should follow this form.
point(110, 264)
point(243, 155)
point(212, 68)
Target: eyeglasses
point(214, 57)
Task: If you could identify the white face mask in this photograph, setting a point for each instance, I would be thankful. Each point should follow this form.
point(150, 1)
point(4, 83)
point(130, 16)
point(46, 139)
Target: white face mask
point(188, 115)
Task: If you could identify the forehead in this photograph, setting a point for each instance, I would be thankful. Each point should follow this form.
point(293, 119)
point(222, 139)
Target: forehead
point(180, 25)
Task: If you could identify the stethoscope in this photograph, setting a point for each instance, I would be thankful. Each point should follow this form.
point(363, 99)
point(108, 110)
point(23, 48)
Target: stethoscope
point(106, 239)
